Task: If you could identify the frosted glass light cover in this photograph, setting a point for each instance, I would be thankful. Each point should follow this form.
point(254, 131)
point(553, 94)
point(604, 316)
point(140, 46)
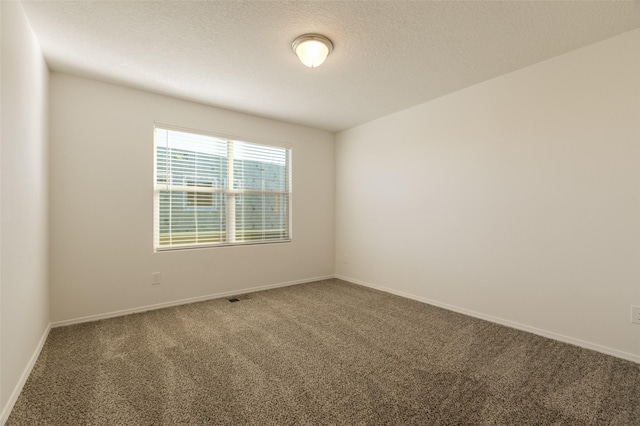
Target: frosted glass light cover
point(312, 49)
point(312, 53)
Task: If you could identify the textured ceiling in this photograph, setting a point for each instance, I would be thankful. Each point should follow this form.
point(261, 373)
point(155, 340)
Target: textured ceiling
point(388, 56)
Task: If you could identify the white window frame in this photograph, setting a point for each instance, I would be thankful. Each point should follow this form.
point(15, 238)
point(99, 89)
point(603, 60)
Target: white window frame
point(229, 192)
point(214, 196)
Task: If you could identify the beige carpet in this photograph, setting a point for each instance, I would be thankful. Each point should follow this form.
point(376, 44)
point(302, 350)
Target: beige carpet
point(322, 353)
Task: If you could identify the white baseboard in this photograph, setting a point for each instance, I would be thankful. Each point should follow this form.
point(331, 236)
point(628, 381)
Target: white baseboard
point(544, 333)
point(6, 410)
point(183, 302)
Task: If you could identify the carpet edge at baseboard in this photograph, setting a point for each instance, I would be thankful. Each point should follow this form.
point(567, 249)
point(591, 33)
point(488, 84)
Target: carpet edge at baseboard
point(6, 410)
point(179, 302)
point(497, 320)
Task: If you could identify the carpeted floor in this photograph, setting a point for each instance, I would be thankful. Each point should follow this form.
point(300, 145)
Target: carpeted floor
point(322, 353)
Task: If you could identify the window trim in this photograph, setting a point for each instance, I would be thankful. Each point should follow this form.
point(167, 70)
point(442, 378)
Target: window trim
point(225, 192)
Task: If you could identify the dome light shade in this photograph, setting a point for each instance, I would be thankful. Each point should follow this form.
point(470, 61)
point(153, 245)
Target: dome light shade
point(312, 49)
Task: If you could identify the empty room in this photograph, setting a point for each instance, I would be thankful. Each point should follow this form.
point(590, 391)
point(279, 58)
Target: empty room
point(320, 213)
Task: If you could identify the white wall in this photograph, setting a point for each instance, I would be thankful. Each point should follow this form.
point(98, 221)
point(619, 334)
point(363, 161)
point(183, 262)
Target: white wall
point(517, 199)
point(24, 306)
point(102, 204)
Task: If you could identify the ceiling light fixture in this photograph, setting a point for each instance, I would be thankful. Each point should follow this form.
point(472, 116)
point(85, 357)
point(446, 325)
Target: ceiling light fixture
point(312, 49)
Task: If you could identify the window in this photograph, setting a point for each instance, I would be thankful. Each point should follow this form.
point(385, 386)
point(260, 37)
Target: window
point(211, 191)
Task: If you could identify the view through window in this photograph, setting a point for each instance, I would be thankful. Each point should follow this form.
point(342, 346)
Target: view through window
point(217, 191)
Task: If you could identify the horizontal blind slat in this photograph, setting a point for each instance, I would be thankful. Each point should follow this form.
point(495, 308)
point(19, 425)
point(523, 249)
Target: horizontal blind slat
point(195, 181)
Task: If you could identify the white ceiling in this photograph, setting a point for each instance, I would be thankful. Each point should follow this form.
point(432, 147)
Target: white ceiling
point(388, 55)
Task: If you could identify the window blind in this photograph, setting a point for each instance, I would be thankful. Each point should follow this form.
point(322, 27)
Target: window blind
point(217, 191)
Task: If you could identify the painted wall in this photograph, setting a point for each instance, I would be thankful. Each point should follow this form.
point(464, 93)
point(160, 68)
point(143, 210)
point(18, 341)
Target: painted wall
point(24, 306)
point(102, 204)
point(517, 199)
